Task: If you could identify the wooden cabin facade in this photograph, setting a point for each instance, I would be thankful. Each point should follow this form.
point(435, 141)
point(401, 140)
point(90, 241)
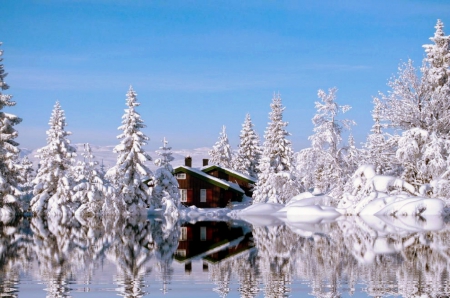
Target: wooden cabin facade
point(204, 191)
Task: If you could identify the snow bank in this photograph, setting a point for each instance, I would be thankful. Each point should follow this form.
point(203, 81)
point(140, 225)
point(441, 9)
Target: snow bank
point(261, 208)
point(313, 213)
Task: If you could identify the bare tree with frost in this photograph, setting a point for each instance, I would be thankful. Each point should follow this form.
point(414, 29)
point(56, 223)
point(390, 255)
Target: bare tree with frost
point(221, 153)
point(322, 166)
point(277, 182)
point(419, 104)
point(165, 191)
point(53, 183)
point(130, 171)
point(89, 190)
point(249, 152)
point(9, 152)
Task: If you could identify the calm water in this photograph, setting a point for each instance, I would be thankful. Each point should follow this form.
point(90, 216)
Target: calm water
point(147, 257)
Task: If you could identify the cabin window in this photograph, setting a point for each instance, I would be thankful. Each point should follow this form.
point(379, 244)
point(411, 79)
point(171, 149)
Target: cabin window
point(203, 233)
point(183, 233)
point(183, 195)
point(203, 195)
point(181, 176)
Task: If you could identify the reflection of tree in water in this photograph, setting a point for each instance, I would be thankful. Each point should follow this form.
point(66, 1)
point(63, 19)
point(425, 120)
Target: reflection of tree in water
point(14, 255)
point(52, 246)
point(248, 275)
point(131, 249)
point(220, 274)
point(166, 233)
point(276, 245)
point(244, 266)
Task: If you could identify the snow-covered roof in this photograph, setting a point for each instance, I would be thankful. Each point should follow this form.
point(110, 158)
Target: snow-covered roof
point(228, 171)
point(216, 181)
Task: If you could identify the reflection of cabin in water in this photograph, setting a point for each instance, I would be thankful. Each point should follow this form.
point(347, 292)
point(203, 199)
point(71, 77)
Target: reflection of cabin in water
point(211, 185)
point(211, 241)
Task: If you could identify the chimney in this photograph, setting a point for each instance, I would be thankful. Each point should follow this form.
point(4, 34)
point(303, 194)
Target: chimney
point(205, 161)
point(188, 161)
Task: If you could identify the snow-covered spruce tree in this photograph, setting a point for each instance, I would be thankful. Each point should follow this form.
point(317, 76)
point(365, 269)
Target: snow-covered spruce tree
point(249, 151)
point(420, 106)
point(323, 166)
point(438, 58)
point(26, 178)
point(53, 182)
point(380, 147)
point(9, 152)
point(276, 181)
point(221, 153)
point(130, 171)
point(89, 190)
point(165, 191)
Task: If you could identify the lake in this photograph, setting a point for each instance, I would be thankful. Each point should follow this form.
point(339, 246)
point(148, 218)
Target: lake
point(151, 257)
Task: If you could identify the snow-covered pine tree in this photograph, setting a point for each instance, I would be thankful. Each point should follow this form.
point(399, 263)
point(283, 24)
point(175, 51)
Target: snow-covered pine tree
point(276, 181)
point(165, 189)
point(26, 180)
point(53, 182)
point(322, 166)
point(9, 152)
point(249, 151)
point(438, 58)
point(380, 147)
point(221, 153)
point(89, 190)
point(130, 171)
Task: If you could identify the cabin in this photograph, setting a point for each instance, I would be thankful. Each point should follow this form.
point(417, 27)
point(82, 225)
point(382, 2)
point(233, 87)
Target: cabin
point(211, 186)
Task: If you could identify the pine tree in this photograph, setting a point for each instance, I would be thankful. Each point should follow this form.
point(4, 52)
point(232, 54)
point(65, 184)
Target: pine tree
point(322, 166)
point(165, 190)
point(9, 152)
point(277, 183)
point(438, 58)
point(221, 154)
point(249, 152)
point(26, 180)
point(130, 170)
point(53, 182)
point(89, 190)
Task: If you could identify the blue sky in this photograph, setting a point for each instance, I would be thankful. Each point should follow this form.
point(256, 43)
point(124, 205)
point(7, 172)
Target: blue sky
point(198, 65)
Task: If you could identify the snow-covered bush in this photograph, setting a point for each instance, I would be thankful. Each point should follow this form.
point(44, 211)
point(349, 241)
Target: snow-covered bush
point(249, 152)
point(221, 153)
point(130, 171)
point(277, 182)
point(53, 183)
